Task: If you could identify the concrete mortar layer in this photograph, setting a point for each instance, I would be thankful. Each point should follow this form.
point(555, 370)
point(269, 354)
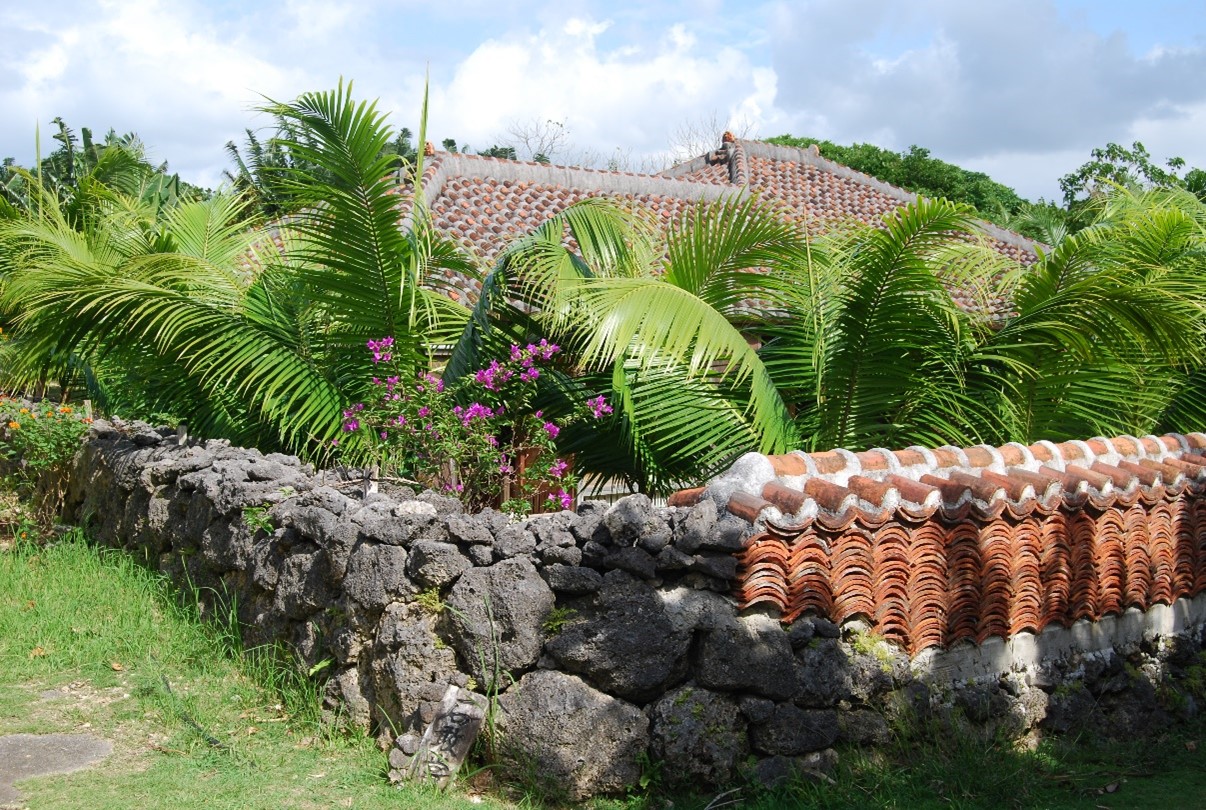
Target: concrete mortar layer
point(1028, 652)
point(608, 635)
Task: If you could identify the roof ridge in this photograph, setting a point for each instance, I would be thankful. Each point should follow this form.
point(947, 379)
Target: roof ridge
point(572, 177)
point(812, 156)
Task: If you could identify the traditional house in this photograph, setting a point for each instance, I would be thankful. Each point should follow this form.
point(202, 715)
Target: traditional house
point(484, 202)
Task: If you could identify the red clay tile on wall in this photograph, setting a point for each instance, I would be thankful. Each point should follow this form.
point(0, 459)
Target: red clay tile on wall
point(969, 553)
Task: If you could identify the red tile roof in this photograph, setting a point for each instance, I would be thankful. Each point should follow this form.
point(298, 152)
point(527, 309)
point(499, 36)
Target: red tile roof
point(483, 203)
point(935, 546)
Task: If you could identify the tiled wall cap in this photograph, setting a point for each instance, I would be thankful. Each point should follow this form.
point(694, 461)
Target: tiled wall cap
point(853, 467)
point(809, 464)
point(810, 469)
point(1087, 454)
point(806, 514)
point(772, 514)
point(931, 461)
point(750, 473)
point(891, 462)
point(1029, 462)
point(1139, 452)
point(1111, 454)
point(1182, 442)
point(958, 453)
point(998, 461)
point(1057, 455)
point(1155, 447)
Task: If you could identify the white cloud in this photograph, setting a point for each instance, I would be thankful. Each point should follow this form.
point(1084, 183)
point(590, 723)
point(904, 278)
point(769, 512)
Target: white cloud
point(145, 66)
point(625, 96)
point(1025, 87)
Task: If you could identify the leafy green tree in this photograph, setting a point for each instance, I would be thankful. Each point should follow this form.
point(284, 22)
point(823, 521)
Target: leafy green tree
point(80, 165)
point(1116, 166)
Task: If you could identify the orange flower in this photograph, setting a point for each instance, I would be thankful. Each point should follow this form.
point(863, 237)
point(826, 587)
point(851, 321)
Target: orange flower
point(65, 409)
point(25, 410)
point(14, 425)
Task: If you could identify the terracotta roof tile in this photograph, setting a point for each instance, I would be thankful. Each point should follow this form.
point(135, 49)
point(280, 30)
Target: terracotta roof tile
point(936, 546)
point(483, 203)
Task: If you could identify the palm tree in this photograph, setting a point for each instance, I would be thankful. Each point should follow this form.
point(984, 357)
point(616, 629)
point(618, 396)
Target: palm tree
point(656, 320)
point(266, 346)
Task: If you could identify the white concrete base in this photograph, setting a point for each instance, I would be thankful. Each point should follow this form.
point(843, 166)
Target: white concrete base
point(1027, 651)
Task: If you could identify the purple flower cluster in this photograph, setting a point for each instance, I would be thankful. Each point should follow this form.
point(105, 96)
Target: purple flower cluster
point(561, 498)
point(474, 411)
point(351, 422)
point(381, 349)
point(496, 444)
point(493, 377)
point(533, 351)
point(598, 406)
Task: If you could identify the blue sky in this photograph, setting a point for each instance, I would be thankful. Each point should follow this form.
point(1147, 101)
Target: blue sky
point(1022, 89)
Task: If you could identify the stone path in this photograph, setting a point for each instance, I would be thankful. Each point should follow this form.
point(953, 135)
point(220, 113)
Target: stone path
point(25, 755)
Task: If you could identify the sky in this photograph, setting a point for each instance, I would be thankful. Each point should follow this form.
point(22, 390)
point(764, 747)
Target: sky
point(1020, 89)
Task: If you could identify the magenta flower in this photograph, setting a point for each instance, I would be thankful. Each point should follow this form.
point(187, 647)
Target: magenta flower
point(558, 467)
point(381, 349)
point(474, 411)
point(598, 406)
point(563, 498)
point(551, 429)
point(494, 376)
point(530, 374)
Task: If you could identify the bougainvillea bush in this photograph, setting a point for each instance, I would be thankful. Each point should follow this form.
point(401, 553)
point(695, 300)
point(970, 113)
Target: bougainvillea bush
point(480, 439)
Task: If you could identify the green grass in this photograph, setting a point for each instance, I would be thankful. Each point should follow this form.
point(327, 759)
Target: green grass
point(136, 667)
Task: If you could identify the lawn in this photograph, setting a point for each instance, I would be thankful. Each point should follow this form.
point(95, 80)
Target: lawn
point(91, 642)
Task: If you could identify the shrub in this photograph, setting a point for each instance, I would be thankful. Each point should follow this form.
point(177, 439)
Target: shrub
point(39, 442)
point(495, 450)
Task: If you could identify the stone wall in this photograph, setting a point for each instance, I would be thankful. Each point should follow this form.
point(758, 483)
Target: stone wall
point(601, 639)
